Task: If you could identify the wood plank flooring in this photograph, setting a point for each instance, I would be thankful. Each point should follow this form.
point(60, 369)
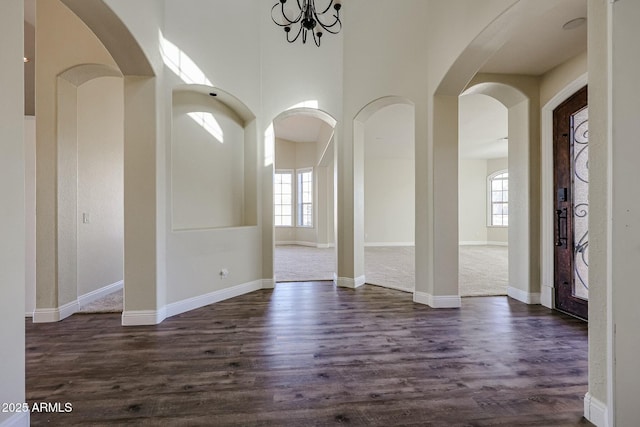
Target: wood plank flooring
point(311, 354)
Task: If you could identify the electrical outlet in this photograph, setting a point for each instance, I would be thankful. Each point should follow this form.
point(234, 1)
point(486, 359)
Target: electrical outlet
point(224, 273)
point(85, 218)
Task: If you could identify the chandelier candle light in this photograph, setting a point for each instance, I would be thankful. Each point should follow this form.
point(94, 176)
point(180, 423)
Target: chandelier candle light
point(308, 18)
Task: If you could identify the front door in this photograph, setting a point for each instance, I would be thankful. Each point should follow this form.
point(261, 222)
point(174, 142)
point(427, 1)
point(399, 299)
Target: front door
point(571, 210)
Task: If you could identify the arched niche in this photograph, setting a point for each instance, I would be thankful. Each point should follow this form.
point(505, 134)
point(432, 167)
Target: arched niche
point(355, 257)
point(213, 160)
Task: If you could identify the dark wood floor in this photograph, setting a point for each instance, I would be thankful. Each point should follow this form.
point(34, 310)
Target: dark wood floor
point(310, 354)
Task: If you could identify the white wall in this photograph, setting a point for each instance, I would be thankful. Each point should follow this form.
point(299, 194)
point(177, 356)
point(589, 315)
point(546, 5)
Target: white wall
point(389, 178)
point(472, 193)
point(12, 213)
point(100, 183)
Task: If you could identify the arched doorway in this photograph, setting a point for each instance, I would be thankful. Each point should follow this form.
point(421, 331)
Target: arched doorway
point(304, 195)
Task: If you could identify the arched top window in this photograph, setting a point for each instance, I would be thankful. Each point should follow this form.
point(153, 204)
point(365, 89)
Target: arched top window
point(498, 199)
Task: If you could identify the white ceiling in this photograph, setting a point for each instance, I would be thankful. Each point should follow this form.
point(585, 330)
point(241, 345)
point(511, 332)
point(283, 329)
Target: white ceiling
point(298, 128)
point(542, 44)
point(483, 127)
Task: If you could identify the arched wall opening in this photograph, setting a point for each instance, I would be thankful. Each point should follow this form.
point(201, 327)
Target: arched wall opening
point(483, 198)
point(303, 208)
point(108, 39)
point(522, 250)
point(90, 232)
point(388, 165)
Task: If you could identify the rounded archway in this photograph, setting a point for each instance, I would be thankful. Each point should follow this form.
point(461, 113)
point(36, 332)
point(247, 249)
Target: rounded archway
point(303, 191)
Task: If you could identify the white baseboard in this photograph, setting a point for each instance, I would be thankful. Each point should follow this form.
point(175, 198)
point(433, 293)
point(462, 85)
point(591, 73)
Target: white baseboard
point(348, 282)
point(546, 296)
point(268, 283)
point(382, 244)
point(482, 243)
point(212, 297)
point(19, 419)
point(325, 245)
point(296, 243)
point(595, 411)
point(143, 317)
point(49, 315)
point(523, 296)
point(99, 293)
point(28, 314)
point(437, 301)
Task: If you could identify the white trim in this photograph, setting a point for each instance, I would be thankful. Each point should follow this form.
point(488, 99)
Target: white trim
point(595, 411)
point(437, 301)
point(19, 419)
point(522, 296)
point(548, 193)
point(325, 245)
point(143, 317)
point(27, 314)
point(490, 201)
point(296, 243)
point(212, 297)
point(381, 244)
point(348, 282)
point(546, 296)
point(99, 293)
point(483, 243)
point(48, 315)
point(268, 283)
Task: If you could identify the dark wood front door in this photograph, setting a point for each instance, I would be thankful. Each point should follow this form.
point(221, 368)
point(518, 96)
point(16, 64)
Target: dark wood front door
point(571, 210)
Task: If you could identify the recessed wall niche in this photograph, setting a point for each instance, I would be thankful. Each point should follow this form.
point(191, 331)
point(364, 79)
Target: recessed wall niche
point(213, 162)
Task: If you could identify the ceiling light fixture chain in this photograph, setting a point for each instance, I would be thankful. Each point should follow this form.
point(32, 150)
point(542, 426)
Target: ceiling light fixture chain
point(308, 18)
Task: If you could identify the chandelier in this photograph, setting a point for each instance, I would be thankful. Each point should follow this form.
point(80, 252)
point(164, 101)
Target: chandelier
point(308, 18)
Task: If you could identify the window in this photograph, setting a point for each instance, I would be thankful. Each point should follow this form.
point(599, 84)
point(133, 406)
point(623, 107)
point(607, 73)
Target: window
point(305, 197)
point(283, 198)
point(498, 190)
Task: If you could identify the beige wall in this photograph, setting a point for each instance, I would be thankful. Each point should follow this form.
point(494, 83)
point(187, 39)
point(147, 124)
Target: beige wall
point(12, 213)
point(473, 199)
point(62, 41)
point(292, 155)
point(100, 189)
point(472, 193)
point(207, 175)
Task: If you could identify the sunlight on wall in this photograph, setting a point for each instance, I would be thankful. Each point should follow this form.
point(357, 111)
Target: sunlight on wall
point(181, 64)
point(269, 145)
point(312, 103)
point(184, 67)
point(208, 123)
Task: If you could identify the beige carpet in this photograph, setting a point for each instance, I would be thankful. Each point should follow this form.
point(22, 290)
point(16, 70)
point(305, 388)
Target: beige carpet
point(483, 270)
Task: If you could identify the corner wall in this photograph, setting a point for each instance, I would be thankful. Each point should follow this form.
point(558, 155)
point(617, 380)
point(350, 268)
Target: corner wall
point(12, 213)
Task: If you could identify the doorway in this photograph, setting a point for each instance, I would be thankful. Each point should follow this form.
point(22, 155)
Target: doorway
point(571, 207)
